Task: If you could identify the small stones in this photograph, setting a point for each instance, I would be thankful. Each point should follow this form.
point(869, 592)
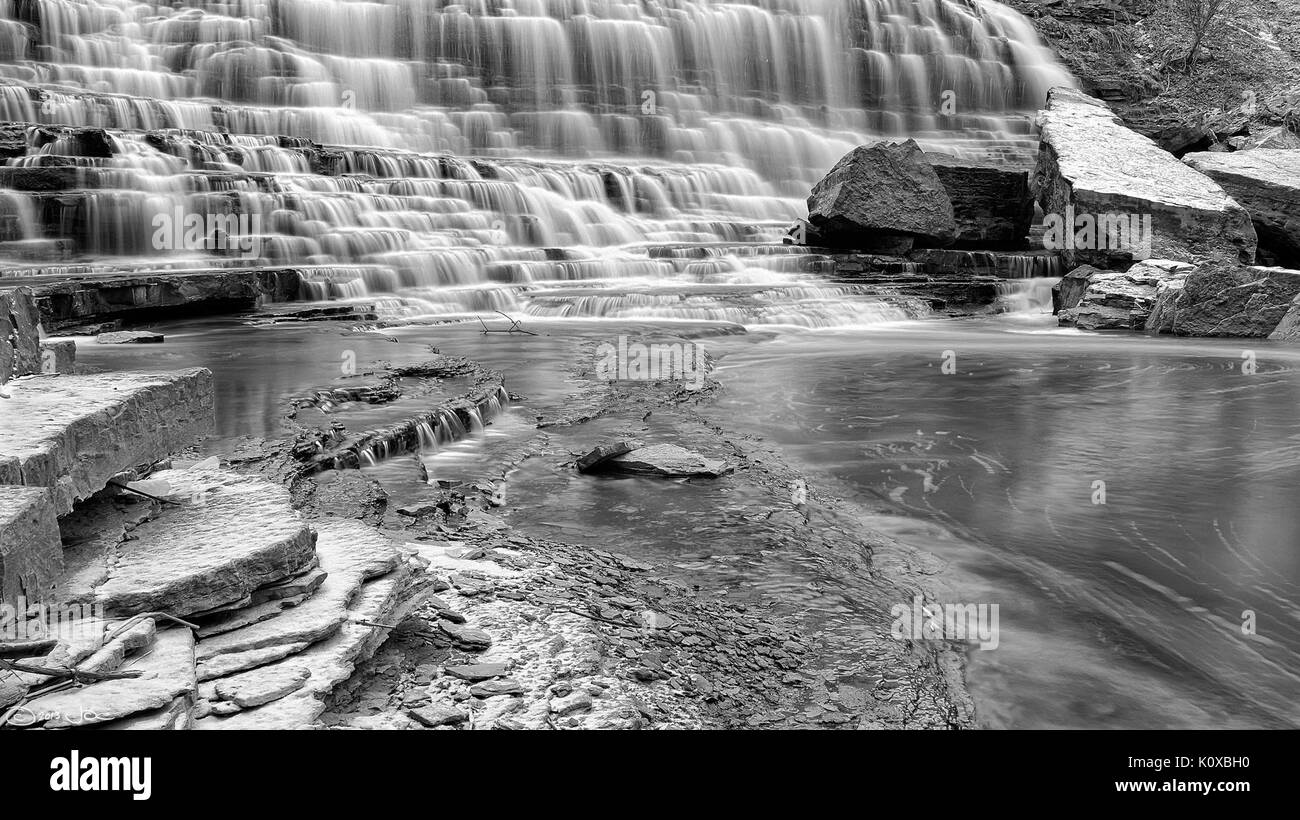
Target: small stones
point(436, 714)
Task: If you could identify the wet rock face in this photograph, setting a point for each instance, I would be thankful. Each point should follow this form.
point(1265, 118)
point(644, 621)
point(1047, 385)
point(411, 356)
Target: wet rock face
point(883, 197)
point(992, 206)
point(20, 353)
point(1222, 299)
point(1091, 165)
point(87, 300)
point(1267, 184)
point(1115, 300)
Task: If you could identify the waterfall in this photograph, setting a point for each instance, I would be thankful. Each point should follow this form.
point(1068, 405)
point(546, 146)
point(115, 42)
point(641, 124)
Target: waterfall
point(1027, 297)
point(461, 158)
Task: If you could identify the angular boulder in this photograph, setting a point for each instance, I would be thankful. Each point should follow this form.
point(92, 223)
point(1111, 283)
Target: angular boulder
point(1119, 300)
point(1094, 170)
point(991, 205)
point(881, 197)
point(1223, 299)
point(1267, 184)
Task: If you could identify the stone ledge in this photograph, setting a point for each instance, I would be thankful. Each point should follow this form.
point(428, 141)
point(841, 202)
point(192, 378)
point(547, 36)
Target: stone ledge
point(74, 433)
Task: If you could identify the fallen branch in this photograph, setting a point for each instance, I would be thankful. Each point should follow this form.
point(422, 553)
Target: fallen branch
point(61, 672)
point(514, 326)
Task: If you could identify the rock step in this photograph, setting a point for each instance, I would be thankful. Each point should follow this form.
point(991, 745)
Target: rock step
point(366, 586)
point(229, 536)
point(74, 433)
point(349, 553)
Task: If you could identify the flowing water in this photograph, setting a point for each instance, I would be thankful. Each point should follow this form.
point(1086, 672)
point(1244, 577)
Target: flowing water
point(599, 166)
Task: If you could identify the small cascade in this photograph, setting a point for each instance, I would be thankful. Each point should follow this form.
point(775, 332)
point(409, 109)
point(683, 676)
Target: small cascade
point(1030, 297)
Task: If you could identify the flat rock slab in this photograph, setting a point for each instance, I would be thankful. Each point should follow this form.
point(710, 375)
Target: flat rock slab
point(74, 433)
point(31, 552)
point(129, 337)
point(667, 460)
point(475, 672)
point(1091, 163)
point(230, 536)
point(168, 673)
point(349, 552)
point(263, 685)
point(1267, 184)
point(436, 714)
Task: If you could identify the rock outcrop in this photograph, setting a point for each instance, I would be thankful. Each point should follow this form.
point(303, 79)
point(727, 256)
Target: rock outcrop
point(1093, 299)
point(1223, 299)
point(78, 300)
point(1267, 184)
point(881, 197)
point(20, 353)
point(74, 433)
point(1091, 167)
point(991, 205)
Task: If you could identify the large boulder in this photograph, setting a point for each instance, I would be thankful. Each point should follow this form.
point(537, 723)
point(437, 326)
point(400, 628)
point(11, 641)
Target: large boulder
point(1140, 200)
point(1267, 184)
point(991, 205)
point(1225, 299)
point(20, 344)
point(1117, 300)
point(881, 197)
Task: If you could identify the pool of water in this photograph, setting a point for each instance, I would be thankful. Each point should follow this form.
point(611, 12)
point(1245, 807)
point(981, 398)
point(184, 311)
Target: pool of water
point(1122, 499)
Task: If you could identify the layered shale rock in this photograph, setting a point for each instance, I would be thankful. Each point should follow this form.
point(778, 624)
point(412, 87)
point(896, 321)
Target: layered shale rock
point(1093, 299)
point(74, 433)
point(77, 300)
point(1267, 184)
point(1091, 166)
point(992, 206)
point(666, 460)
point(881, 197)
point(1223, 299)
point(278, 673)
point(227, 536)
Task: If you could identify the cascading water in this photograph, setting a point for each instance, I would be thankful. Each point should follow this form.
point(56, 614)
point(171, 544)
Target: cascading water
point(526, 156)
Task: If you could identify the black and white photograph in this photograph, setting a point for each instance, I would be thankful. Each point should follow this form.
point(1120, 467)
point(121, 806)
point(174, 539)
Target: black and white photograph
point(736, 367)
